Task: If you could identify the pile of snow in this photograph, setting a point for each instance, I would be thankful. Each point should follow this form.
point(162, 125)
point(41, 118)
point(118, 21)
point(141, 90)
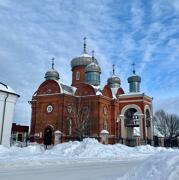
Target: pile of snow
point(163, 166)
point(91, 148)
point(87, 150)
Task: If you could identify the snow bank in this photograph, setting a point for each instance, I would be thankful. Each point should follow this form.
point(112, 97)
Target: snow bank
point(91, 148)
point(162, 166)
point(88, 149)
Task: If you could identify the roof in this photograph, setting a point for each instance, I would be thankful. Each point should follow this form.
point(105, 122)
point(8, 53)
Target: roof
point(67, 89)
point(114, 81)
point(134, 94)
point(134, 78)
point(6, 88)
point(93, 67)
point(82, 60)
point(19, 128)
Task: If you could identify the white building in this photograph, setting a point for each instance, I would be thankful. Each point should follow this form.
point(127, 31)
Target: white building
point(8, 99)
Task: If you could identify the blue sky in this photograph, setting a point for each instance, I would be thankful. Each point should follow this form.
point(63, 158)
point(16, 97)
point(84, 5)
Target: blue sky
point(121, 32)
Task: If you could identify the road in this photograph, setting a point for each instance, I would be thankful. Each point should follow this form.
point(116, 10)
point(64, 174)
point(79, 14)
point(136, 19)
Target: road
point(74, 171)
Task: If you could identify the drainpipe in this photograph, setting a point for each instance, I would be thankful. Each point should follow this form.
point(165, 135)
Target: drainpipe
point(3, 117)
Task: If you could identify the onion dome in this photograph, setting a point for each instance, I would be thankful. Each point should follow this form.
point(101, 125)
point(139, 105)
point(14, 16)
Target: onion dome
point(134, 78)
point(114, 81)
point(93, 67)
point(52, 74)
point(134, 81)
point(92, 72)
point(84, 59)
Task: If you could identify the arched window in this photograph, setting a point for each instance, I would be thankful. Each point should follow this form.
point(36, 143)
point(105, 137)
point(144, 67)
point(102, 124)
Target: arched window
point(147, 118)
point(77, 75)
point(131, 117)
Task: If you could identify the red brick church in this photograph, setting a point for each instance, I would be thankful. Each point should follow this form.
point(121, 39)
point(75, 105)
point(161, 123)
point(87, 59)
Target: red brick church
point(86, 108)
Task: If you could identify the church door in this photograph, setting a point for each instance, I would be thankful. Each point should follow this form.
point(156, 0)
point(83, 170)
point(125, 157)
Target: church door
point(48, 136)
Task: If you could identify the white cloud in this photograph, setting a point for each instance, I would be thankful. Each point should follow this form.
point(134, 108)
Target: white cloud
point(120, 32)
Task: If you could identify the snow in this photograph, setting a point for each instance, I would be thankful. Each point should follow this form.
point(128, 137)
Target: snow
point(58, 132)
point(162, 166)
point(6, 88)
point(88, 149)
point(99, 93)
point(114, 92)
point(104, 132)
point(147, 161)
point(85, 55)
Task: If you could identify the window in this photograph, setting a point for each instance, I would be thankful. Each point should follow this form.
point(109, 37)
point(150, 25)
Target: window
point(77, 75)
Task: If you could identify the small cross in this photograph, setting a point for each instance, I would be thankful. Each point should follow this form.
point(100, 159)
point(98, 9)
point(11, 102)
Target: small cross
point(113, 69)
point(133, 64)
point(53, 62)
point(92, 54)
point(84, 45)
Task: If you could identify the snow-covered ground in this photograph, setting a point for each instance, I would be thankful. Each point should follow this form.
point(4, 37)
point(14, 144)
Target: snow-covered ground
point(75, 160)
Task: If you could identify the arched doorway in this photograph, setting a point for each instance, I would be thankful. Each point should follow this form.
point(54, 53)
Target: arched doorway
point(131, 120)
point(48, 136)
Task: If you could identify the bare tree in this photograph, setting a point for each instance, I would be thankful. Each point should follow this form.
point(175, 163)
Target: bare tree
point(81, 123)
point(78, 124)
point(166, 124)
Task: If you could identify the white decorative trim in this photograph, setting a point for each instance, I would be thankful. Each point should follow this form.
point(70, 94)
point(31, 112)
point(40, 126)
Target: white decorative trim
point(139, 100)
point(123, 96)
point(129, 107)
point(147, 108)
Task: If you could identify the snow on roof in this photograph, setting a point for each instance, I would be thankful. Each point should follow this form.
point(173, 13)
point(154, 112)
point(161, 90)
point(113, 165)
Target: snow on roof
point(85, 55)
point(114, 92)
point(66, 89)
point(6, 88)
point(99, 93)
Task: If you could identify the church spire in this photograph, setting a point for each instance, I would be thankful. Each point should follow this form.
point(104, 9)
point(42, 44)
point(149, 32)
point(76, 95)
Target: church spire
point(84, 45)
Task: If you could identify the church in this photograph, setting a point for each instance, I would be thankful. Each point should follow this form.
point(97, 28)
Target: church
point(87, 109)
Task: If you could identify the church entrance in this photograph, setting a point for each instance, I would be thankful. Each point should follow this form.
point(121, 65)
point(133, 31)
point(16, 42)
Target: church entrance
point(132, 126)
point(48, 136)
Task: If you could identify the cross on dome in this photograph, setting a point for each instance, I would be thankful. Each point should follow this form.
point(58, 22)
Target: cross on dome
point(84, 45)
point(53, 62)
point(113, 69)
point(133, 64)
point(93, 55)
